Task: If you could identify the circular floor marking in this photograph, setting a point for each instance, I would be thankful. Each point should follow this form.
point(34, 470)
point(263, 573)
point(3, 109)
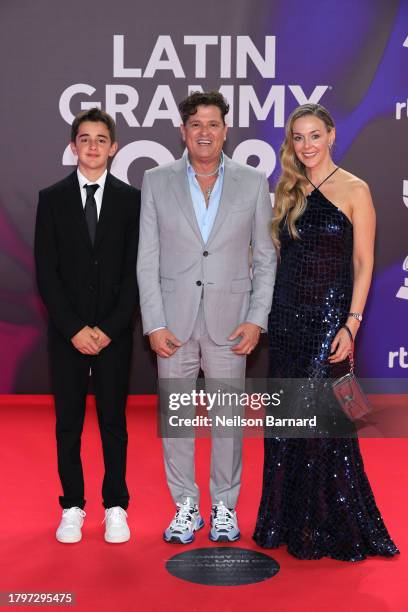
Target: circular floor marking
point(222, 566)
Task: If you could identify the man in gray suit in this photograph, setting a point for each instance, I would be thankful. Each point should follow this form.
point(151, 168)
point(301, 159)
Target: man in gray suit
point(204, 223)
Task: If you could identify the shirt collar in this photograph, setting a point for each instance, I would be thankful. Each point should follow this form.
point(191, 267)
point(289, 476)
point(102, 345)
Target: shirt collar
point(190, 169)
point(84, 181)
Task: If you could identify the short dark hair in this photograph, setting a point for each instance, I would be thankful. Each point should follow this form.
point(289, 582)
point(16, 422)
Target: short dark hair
point(93, 114)
point(188, 106)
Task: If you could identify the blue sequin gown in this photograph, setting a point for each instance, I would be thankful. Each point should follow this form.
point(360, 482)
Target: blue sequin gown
point(316, 497)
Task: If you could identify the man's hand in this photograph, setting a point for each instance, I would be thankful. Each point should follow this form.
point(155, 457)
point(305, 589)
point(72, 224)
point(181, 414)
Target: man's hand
point(103, 339)
point(86, 341)
point(249, 333)
point(163, 342)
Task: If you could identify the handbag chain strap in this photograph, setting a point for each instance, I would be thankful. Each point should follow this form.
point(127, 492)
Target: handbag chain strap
point(351, 359)
point(351, 352)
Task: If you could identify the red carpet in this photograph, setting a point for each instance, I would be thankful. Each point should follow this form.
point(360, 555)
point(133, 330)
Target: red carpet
point(132, 576)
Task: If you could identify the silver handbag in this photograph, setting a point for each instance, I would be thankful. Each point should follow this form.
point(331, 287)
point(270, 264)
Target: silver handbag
point(350, 395)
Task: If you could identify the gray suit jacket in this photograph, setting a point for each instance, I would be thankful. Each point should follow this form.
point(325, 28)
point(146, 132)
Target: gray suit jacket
point(174, 264)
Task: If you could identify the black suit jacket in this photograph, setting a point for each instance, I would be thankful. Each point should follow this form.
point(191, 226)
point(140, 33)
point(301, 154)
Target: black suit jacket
point(83, 284)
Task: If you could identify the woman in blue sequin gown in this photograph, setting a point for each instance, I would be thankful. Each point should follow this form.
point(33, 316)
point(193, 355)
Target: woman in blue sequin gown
point(316, 497)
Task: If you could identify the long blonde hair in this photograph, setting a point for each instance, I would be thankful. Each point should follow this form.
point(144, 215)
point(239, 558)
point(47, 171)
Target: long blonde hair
point(290, 193)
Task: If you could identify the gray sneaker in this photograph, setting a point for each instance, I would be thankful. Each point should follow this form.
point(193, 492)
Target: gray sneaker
point(224, 524)
point(186, 521)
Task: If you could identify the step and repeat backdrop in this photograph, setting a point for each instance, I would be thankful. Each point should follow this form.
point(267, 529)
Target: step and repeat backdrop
point(137, 61)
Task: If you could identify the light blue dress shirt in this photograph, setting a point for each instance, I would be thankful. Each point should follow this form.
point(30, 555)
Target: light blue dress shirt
point(205, 216)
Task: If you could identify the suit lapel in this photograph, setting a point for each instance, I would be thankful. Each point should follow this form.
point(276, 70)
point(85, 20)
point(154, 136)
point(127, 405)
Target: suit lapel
point(228, 196)
point(74, 200)
point(107, 210)
point(181, 190)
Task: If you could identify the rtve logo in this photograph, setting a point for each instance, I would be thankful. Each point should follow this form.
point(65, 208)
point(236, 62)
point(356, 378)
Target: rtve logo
point(400, 106)
point(400, 355)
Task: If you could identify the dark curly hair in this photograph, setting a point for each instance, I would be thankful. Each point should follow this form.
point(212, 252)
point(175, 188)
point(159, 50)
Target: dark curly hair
point(188, 106)
point(93, 114)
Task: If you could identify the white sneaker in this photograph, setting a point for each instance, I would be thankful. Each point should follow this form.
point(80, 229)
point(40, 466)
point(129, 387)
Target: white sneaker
point(186, 521)
point(224, 524)
point(116, 527)
point(69, 530)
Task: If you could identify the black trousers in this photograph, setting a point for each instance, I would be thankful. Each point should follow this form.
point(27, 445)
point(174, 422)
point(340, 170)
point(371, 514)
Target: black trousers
point(70, 379)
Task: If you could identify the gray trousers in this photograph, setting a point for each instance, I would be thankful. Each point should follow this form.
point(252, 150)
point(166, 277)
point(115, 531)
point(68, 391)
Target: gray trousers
point(217, 362)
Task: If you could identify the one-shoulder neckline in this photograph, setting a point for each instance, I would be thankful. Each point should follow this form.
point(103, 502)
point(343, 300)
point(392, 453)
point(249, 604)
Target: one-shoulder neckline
point(331, 204)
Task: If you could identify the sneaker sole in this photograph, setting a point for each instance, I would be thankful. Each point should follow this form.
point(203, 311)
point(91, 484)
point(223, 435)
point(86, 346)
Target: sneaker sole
point(116, 540)
point(177, 540)
point(223, 538)
point(69, 540)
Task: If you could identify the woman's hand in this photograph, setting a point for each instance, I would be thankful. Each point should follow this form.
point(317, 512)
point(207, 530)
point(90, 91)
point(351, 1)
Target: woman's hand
point(341, 346)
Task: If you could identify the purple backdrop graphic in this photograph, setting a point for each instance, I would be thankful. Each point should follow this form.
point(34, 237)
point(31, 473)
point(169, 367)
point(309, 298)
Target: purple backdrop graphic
point(138, 61)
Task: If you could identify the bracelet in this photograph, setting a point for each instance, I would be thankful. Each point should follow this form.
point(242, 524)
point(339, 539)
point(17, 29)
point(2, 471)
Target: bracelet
point(346, 327)
point(356, 315)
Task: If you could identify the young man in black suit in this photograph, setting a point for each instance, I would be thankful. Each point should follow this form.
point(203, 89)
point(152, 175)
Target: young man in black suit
point(85, 251)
